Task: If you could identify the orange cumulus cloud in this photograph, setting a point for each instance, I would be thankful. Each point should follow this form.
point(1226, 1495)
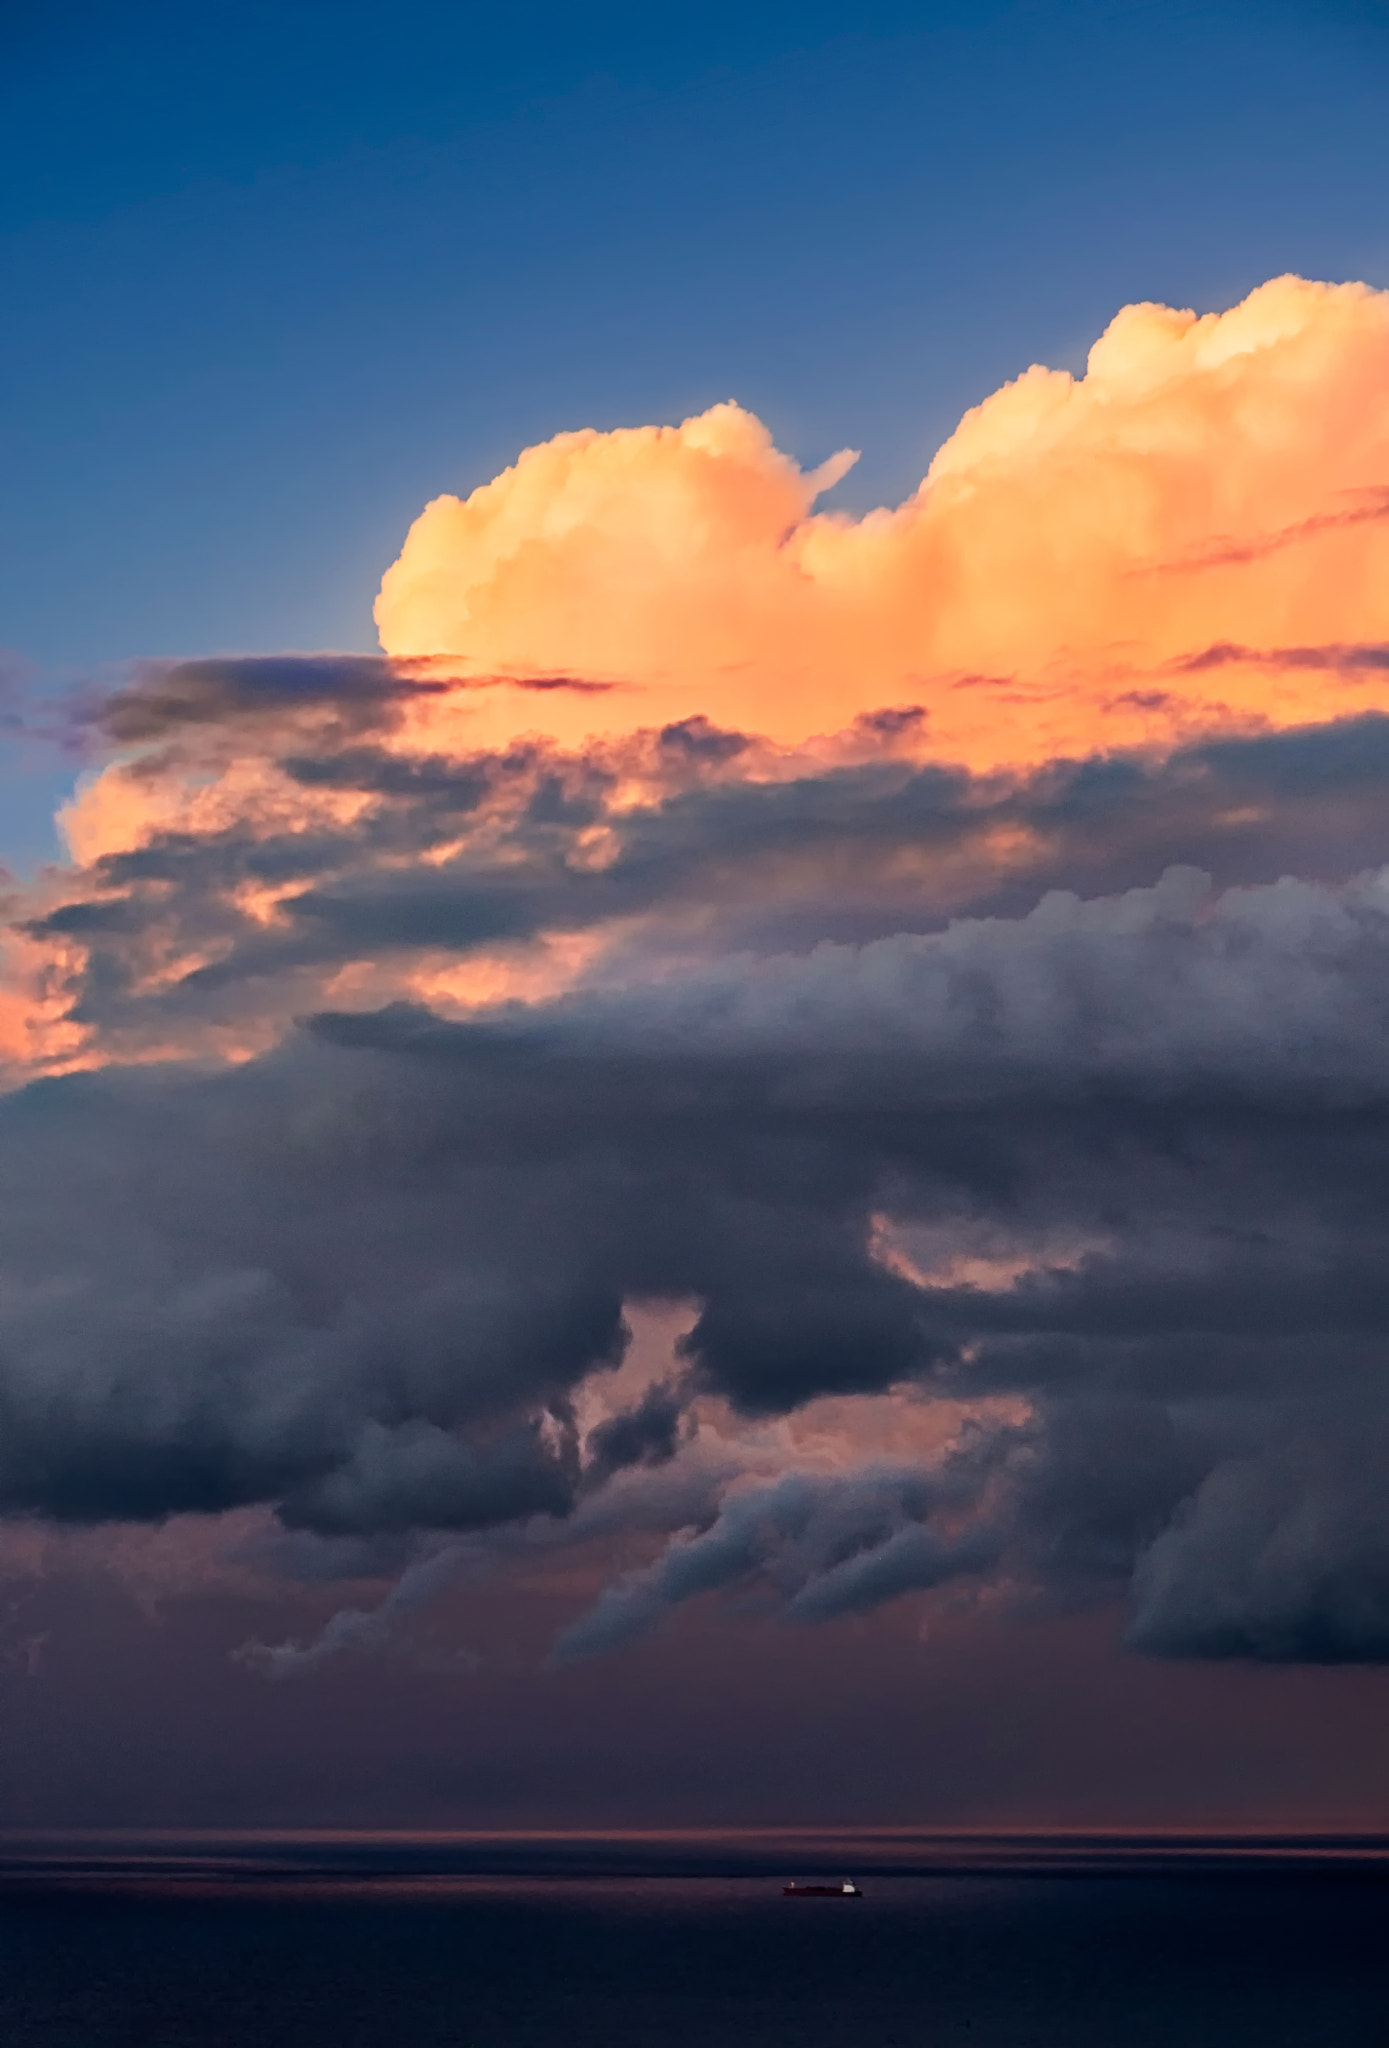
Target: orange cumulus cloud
point(1076, 548)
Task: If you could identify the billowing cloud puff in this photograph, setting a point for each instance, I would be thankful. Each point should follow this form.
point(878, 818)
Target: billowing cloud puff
point(936, 965)
point(1076, 548)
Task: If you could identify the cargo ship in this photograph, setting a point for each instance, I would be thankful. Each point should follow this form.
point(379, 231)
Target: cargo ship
point(847, 1890)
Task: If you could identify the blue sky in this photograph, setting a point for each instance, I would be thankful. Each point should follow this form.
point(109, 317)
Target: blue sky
point(277, 274)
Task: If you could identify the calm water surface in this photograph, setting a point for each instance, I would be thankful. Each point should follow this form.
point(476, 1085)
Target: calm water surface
point(688, 1943)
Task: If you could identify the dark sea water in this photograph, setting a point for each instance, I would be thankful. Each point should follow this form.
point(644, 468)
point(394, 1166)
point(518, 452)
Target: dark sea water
point(687, 1942)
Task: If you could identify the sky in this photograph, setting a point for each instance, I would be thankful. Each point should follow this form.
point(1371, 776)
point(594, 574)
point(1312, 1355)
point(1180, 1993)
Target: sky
point(695, 718)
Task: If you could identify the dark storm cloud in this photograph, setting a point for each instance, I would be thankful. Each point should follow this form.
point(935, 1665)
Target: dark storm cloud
point(362, 1277)
point(647, 1434)
point(1114, 1034)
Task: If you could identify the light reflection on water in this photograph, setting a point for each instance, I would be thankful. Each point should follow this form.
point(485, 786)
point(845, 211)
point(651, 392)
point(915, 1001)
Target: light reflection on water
point(441, 1864)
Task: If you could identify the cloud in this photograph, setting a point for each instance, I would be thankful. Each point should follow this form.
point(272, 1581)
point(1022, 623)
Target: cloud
point(940, 960)
point(1283, 1557)
point(1013, 595)
point(833, 1544)
point(464, 880)
point(365, 1632)
point(420, 1236)
point(1346, 660)
point(359, 691)
point(1220, 554)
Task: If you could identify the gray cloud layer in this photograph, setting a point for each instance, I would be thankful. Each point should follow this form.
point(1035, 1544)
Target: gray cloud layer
point(1115, 1036)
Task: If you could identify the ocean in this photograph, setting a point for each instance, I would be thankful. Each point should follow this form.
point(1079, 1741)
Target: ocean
point(429, 1941)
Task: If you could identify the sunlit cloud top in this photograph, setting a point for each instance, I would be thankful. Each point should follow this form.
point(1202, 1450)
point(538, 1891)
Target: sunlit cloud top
point(1196, 532)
